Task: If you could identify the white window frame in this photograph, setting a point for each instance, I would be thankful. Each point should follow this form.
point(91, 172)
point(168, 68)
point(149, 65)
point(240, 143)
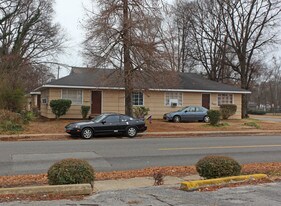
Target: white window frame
point(133, 93)
point(173, 95)
point(74, 102)
point(225, 98)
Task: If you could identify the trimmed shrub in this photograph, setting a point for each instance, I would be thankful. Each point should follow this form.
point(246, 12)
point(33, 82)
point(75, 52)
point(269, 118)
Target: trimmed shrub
point(214, 116)
point(60, 106)
point(227, 110)
point(140, 112)
point(71, 171)
point(256, 112)
point(84, 111)
point(217, 166)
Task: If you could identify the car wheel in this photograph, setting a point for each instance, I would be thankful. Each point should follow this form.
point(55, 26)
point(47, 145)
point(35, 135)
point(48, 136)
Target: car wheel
point(131, 132)
point(176, 119)
point(206, 119)
point(87, 133)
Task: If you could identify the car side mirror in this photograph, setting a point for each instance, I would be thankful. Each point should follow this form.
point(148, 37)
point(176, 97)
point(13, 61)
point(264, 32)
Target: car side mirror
point(185, 111)
point(103, 121)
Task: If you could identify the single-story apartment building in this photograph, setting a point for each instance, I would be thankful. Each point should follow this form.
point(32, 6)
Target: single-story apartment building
point(103, 90)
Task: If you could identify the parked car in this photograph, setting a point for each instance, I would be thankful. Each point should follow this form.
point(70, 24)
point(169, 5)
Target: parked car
point(189, 113)
point(109, 124)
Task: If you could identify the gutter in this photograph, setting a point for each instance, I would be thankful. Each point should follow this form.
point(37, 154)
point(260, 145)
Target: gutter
point(122, 88)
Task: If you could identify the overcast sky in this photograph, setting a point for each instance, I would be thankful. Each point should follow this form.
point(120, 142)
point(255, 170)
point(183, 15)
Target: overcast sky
point(69, 14)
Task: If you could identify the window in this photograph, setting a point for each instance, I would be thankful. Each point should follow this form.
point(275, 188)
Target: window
point(173, 96)
point(75, 95)
point(125, 118)
point(137, 98)
point(44, 101)
point(225, 99)
point(112, 119)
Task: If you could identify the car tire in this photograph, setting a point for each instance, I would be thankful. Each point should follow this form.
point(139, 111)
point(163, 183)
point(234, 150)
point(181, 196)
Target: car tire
point(176, 118)
point(206, 119)
point(131, 132)
point(87, 133)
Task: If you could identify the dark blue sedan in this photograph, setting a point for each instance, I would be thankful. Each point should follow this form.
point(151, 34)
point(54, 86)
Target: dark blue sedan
point(188, 114)
point(108, 124)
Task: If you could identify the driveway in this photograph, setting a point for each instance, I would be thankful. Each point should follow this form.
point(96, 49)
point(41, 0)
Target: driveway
point(260, 195)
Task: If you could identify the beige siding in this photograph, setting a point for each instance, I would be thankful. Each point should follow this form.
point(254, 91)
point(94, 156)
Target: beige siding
point(155, 101)
point(237, 101)
point(114, 101)
point(74, 111)
point(44, 107)
point(194, 99)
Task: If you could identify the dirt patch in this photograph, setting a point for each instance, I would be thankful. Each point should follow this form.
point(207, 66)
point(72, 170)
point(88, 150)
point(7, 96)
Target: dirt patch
point(54, 129)
point(45, 126)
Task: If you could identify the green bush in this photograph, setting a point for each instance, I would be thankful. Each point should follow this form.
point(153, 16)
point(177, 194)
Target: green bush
point(71, 171)
point(217, 166)
point(60, 106)
point(84, 111)
point(8, 125)
point(227, 110)
point(140, 112)
point(27, 116)
point(256, 112)
point(12, 99)
point(214, 116)
point(252, 124)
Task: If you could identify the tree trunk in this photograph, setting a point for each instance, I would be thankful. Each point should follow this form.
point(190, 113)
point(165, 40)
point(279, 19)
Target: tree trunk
point(244, 96)
point(127, 61)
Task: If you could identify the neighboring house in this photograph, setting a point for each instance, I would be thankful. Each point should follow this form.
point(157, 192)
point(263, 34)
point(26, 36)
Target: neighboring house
point(103, 91)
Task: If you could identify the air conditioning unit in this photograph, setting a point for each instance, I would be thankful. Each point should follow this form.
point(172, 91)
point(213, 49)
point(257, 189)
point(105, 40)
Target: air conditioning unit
point(173, 102)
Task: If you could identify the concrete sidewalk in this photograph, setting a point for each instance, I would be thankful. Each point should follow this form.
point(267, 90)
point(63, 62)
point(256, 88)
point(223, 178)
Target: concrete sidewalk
point(147, 134)
point(139, 182)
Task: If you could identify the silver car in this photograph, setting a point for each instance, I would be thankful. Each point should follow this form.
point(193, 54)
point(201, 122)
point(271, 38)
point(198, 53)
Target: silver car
point(188, 114)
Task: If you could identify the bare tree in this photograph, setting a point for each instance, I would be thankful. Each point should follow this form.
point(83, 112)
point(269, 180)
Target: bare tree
point(266, 91)
point(250, 26)
point(125, 35)
point(28, 37)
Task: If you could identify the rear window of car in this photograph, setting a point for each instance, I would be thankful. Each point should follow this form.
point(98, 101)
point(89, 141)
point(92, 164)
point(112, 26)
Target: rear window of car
point(125, 118)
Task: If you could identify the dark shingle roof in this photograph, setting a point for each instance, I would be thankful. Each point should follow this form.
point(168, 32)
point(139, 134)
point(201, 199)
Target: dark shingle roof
point(109, 78)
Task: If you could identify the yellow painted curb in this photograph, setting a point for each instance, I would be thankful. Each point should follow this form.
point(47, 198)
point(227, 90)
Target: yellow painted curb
point(73, 189)
point(191, 185)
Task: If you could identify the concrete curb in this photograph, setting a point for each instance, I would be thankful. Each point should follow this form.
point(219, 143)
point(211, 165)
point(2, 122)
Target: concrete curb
point(192, 185)
point(246, 132)
point(73, 189)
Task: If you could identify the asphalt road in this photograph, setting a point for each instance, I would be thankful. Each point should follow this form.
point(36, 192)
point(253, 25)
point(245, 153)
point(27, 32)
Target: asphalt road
point(123, 154)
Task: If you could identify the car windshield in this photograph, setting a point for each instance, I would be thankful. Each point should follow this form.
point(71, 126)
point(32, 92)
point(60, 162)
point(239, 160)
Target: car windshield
point(99, 118)
point(182, 109)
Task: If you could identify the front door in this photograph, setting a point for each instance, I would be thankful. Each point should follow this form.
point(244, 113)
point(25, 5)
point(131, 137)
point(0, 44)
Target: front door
point(96, 102)
point(206, 101)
